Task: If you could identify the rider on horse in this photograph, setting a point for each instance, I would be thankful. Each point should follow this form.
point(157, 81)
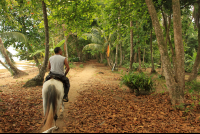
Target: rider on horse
point(56, 67)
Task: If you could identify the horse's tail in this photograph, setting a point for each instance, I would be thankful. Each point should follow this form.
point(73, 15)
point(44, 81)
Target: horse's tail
point(50, 106)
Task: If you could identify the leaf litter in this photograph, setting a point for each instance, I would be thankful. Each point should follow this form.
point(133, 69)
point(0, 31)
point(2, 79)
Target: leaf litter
point(103, 107)
point(20, 109)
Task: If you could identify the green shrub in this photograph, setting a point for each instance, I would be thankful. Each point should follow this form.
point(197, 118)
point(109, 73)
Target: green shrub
point(137, 81)
point(126, 65)
point(146, 65)
point(81, 65)
point(71, 65)
point(135, 66)
point(105, 62)
point(75, 59)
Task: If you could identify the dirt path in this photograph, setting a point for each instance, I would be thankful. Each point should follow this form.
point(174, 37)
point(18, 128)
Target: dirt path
point(76, 85)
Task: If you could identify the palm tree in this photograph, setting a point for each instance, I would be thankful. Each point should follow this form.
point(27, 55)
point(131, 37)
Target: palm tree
point(101, 42)
point(19, 37)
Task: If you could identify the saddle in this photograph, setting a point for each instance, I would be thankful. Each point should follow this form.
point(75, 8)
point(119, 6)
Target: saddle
point(54, 76)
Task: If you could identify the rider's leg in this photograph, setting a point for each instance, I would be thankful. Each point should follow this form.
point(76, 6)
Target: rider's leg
point(47, 77)
point(66, 88)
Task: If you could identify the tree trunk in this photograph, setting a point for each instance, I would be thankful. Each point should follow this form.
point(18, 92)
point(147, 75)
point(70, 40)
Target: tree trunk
point(16, 72)
point(172, 49)
point(135, 57)
point(131, 50)
point(152, 61)
point(101, 57)
point(121, 58)
point(195, 68)
point(167, 28)
point(37, 62)
point(179, 48)
point(162, 69)
point(108, 55)
point(38, 80)
point(65, 44)
point(143, 56)
point(66, 48)
point(139, 58)
point(116, 55)
point(4, 65)
point(175, 89)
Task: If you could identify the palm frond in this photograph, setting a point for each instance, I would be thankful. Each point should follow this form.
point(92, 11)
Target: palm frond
point(14, 35)
point(93, 37)
point(92, 46)
point(60, 43)
point(36, 52)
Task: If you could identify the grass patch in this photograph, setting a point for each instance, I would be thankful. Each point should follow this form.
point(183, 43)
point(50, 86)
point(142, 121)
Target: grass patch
point(81, 65)
point(193, 86)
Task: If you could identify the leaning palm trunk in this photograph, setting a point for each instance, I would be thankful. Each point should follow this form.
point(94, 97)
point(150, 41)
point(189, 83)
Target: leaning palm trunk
point(4, 65)
point(16, 72)
point(175, 88)
point(38, 80)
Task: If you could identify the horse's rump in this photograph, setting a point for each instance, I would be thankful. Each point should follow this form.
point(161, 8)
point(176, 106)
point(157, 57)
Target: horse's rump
point(52, 94)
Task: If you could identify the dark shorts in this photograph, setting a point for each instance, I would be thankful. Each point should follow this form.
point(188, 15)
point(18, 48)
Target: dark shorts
point(62, 78)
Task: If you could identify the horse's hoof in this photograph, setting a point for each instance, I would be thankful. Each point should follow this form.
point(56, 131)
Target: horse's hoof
point(56, 128)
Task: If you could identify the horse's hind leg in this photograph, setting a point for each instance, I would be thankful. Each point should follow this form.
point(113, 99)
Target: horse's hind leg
point(62, 107)
point(55, 118)
point(61, 113)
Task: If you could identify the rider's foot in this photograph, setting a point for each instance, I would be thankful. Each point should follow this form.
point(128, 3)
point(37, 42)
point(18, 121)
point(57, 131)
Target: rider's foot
point(65, 99)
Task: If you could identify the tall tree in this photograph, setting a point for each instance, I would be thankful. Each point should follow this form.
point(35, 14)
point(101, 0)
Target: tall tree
point(175, 88)
point(179, 49)
point(131, 49)
point(196, 14)
point(38, 80)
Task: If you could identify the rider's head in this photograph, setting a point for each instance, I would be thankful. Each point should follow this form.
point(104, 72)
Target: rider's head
point(58, 50)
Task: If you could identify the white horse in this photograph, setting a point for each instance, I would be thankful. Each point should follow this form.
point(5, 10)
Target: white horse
point(52, 94)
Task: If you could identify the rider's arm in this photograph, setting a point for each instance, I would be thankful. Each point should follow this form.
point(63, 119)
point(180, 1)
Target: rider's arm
point(49, 66)
point(67, 67)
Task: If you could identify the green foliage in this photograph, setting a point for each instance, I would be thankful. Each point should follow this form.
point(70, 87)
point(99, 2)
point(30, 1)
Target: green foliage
point(75, 59)
point(81, 65)
point(192, 86)
point(137, 81)
point(146, 65)
point(189, 61)
point(105, 62)
point(50, 50)
point(135, 66)
point(71, 65)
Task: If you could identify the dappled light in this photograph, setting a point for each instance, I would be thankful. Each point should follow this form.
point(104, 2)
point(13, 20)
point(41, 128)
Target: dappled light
point(99, 66)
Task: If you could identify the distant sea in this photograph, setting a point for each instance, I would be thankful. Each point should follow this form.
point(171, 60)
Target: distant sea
point(16, 59)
